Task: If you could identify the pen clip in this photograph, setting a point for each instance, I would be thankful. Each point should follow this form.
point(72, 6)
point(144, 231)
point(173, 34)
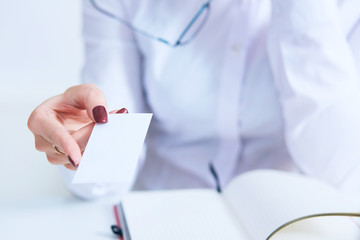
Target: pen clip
point(116, 230)
point(216, 177)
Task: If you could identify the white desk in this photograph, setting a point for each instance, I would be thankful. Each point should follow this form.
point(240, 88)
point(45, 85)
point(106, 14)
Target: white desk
point(56, 218)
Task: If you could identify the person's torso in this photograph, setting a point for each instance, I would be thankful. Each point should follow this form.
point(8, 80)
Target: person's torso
point(214, 100)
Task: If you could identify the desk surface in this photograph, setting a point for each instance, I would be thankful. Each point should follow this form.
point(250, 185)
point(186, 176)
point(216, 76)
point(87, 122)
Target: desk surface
point(56, 218)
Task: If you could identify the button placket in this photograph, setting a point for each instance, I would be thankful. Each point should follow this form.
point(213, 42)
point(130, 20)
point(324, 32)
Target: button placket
point(229, 94)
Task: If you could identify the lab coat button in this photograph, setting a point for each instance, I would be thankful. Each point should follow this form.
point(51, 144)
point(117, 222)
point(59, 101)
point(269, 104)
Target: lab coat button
point(236, 48)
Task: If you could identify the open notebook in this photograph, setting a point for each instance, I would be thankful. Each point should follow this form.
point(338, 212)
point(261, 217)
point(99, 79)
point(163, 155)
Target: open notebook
point(255, 205)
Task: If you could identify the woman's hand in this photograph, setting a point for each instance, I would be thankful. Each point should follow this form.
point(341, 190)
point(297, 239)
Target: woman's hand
point(62, 124)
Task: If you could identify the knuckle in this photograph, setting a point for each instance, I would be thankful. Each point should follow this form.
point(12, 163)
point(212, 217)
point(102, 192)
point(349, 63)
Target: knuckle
point(51, 159)
point(73, 87)
point(39, 146)
point(90, 86)
point(55, 159)
point(30, 124)
point(37, 118)
point(33, 119)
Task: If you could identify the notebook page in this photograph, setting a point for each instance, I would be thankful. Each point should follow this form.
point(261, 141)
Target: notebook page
point(179, 215)
point(266, 199)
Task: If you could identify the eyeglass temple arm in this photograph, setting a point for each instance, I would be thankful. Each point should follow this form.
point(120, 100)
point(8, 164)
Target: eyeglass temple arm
point(197, 15)
point(178, 42)
point(109, 14)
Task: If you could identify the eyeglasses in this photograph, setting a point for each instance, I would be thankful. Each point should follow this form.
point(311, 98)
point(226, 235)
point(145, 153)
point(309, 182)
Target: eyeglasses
point(186, 36)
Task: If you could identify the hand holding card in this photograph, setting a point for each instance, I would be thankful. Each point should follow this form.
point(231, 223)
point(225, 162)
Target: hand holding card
point(113, 149)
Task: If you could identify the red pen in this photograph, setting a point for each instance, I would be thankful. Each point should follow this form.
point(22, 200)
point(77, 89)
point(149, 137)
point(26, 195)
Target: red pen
point(117, 228)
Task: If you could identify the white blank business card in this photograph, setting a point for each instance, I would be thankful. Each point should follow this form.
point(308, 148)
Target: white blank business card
point(113, 150)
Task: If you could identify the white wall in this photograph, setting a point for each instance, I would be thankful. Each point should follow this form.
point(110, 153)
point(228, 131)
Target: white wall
point(40, 56)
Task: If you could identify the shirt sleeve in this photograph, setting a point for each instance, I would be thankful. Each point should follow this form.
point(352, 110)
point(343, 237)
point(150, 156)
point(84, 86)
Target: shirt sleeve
point(113, 63)
point(318, 86)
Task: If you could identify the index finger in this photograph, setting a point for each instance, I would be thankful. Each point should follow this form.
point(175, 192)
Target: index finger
point(46, 125)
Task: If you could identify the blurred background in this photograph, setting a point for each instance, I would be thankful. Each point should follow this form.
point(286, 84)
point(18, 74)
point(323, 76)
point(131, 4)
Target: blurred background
point(40, 56)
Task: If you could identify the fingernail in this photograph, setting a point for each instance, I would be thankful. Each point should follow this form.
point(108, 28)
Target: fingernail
point(123, 110)
point(100, 114)
point(72, 162)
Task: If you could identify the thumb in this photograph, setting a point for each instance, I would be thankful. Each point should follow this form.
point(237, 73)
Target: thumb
point(89, 97)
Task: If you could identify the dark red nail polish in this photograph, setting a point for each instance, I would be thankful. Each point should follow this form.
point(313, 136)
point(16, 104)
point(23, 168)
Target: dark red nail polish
point(72, 162)
point(123, 110)
point(100, 114)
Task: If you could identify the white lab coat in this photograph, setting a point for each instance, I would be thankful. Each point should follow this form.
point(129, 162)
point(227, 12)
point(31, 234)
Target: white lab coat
point(266, 84)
